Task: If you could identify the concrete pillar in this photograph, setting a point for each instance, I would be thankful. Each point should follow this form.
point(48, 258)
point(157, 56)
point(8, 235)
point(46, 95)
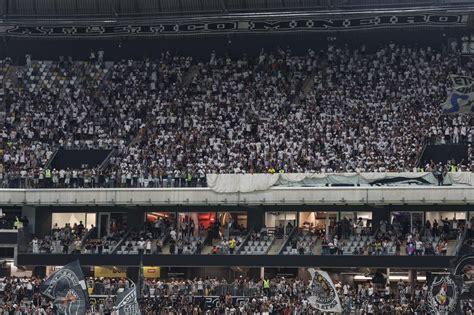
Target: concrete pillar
point(412, 279)
point(379, 214)
point(43, 221)
point(30, 213)
point(133, 273)
point(39, 271)
point(255, 218)
point(135, 219)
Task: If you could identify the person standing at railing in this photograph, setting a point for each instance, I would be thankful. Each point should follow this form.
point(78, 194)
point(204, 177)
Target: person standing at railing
point(266, 286)
point(469, 227)
point(232, 246)
point(77, 246)
point(34, 244)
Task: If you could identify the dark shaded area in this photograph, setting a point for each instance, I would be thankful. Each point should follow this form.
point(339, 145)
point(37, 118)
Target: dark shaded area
point(78, 159)
point(114, 8)
point(201, 46)
point(442, 153)
point(239, 260)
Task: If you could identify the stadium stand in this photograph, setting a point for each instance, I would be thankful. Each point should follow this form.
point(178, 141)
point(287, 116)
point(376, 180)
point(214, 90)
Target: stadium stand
point(22, 294)
point(236, 157)
point(234, 116)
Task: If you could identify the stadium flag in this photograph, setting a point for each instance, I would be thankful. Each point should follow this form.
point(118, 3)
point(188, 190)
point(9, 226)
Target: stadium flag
point(67, 288)
point(126, 302)
point(461, 98)
point(461, 81)
point(324, 295)
point(465, 269)
point(444, 294)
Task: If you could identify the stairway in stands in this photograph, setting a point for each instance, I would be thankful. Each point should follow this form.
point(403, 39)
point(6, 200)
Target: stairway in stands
point(7, 81)
point(276, 246)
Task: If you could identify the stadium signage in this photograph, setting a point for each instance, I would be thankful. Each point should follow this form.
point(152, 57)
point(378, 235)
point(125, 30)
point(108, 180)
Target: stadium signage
point(234, 26)
point(215, 301)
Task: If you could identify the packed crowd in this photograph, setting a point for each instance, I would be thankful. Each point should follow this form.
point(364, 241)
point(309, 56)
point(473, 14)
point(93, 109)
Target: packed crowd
point(77, 239)
point(106, 244)
point(64, 240)
point(344, 237)
point(348, 238)
point(176, 119)
point(263, 296)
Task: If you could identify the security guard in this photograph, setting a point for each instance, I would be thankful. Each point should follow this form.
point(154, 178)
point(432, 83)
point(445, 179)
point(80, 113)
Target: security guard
point(454, 167)
point(47, 177)
point(17, 223)
point(266, 287)
point(231, 245)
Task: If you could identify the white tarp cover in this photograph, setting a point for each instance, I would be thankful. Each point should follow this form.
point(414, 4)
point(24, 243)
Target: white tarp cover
point(241, 182)
point(459, 178)
point(230, 183)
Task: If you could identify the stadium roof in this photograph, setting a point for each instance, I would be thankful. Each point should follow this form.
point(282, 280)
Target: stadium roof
point(121, 8)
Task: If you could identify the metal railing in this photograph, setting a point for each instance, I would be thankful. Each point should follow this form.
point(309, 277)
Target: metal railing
point(460, 241)
point(119, 244)
point(288, 239)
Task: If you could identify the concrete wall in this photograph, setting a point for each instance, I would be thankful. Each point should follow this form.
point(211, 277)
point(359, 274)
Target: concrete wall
point(277, 195)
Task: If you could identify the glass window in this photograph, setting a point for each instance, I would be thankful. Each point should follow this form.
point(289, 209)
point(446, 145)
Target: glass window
point(60, 219)
point(442, 215)
point(365, 216)
point(274, 219)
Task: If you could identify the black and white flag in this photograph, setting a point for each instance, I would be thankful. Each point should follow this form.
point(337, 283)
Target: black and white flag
point(444, 294)
point(465, 269)
point(67, 288)
point(126, 302)
point(461, 98)
point(323, 292)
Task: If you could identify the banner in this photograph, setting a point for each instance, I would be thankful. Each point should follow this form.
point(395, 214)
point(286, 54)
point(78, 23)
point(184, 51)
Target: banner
point(126, 302)
point(324, 295)
point(108, 272)
point(68, 290)
point(215, 301)
point(151, 272)
point(465, 269)
point(444, 294)
point(220, 25)
point(461, 98)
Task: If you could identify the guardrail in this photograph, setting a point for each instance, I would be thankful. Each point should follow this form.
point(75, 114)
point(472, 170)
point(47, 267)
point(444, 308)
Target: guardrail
point(275, 196)
point(460, 241)
point(328, 261)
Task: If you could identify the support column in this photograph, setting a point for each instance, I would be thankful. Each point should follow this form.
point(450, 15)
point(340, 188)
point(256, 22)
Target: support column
point(412, 279)
point(43, 221)
point(133, 273)
point(30, 213)
point(327, 224)
point(39, 271)
point(135, 219)
point(255, 218)
point(380, 214)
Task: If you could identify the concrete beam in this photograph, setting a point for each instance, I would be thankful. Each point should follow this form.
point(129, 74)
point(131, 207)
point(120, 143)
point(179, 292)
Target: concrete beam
point(416, 195)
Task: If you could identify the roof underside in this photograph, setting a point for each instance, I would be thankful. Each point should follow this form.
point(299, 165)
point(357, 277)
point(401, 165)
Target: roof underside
point(117, 8)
